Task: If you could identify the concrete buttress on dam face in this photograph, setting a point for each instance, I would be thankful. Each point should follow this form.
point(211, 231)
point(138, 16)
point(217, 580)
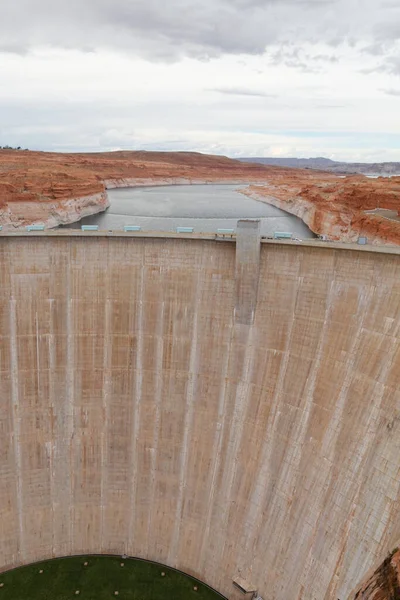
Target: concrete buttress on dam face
point(229, 413)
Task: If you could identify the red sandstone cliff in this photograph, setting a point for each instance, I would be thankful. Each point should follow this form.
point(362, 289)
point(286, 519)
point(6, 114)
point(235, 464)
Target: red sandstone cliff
point(32, 192)
point(335, 206)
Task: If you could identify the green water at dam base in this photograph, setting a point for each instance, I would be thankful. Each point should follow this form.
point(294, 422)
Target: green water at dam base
point(101, 578)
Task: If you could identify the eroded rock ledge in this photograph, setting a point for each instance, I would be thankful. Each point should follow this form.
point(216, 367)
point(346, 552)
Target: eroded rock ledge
point(335, 207)
point(51, 214)
point(384, 584)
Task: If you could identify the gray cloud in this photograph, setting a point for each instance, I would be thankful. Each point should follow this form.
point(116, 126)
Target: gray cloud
point(377, 48)
point(243, 92)
point(393, 65)
point(330, 106)
point(297, 58)
point(391, 92)
point(387, 64)
point(201, 28)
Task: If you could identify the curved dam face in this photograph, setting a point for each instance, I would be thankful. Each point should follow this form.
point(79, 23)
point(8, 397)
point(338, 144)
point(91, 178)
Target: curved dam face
point(226, 409)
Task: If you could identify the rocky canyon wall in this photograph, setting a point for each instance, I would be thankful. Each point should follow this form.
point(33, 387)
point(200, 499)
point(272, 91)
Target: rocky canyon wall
point(144, 412)
point(336, 207)
point(384, 583)
point(18, 215)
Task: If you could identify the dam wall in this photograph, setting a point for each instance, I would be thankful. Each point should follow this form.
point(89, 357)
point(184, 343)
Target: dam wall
point(144, 411)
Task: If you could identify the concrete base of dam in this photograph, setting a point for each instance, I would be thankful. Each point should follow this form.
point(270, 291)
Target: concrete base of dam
point(139, 416)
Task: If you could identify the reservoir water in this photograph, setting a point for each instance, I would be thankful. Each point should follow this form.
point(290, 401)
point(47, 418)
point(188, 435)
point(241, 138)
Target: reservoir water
point(206, 208)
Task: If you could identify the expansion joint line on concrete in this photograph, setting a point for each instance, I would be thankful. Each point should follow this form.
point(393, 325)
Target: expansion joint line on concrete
point(16, 424)
point(190, 397)
point(106, 412)
point(70, 402)
point(137, 403)
point(52, 402)
point(217, 444)
point(158, 397)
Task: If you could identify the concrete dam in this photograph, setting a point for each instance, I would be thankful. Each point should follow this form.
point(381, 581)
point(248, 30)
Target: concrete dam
point(230, 408)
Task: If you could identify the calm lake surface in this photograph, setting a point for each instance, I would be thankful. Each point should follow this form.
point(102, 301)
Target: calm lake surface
point(206, 208)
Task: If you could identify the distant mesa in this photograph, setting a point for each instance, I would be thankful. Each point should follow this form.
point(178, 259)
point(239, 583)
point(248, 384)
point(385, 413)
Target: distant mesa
point(326, 164)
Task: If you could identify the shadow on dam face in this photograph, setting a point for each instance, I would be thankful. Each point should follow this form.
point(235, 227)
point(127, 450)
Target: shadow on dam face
point(146, 410)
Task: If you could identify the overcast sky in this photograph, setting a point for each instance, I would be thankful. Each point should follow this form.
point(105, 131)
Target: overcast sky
point(237, 77)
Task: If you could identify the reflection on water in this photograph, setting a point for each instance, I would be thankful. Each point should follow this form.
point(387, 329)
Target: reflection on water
point(206, 208)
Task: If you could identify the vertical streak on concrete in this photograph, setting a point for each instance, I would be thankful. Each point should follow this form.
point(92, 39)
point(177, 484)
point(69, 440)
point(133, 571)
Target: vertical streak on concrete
point(16, 425)
point(59, 476)
point(293, 457)
point(106, 414)
point(217, 448)
point(236, 429)
point(53, 424)
point(247, 270)
point(328, 444)
point(37, 352)
point(137, 400)
point(187, 425)
point(368, 450)
point(157, 418)
point(253, 521)
point(328, 441)
point(362, 457)
point(70, 397)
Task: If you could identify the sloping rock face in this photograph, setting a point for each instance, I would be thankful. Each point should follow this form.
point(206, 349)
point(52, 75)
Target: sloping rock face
point(51, 196)
point(384, 584)
point(52, 213)
point(335, 206)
